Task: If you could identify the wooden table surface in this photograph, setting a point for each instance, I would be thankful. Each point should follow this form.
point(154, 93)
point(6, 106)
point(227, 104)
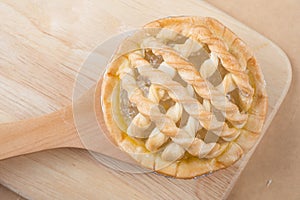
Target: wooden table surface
point(273, 171)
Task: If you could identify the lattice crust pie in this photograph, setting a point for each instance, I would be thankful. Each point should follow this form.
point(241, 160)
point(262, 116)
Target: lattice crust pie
point(184, 96)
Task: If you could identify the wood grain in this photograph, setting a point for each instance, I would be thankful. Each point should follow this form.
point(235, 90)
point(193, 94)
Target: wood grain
point(9, 195)
point(36, 79)
point(24, 136)
point(273, 170)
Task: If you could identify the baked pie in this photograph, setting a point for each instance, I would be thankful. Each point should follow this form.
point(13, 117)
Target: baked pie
point(184, 96)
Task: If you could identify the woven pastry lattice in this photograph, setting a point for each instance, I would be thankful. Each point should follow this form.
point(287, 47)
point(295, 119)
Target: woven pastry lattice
point(184, 96)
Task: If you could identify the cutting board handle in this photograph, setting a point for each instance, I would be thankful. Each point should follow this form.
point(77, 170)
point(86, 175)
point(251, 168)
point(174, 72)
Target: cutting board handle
point(47, 132)
point(54, 130)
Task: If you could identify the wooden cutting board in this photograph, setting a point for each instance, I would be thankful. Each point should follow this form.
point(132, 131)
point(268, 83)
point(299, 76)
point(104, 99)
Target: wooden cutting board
point(43, 45)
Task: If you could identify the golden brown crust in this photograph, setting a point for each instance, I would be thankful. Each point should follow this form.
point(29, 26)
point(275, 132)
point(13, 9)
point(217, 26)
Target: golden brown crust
point(236, 58)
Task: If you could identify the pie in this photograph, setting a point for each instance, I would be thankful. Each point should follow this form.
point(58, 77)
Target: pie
point(184, 96)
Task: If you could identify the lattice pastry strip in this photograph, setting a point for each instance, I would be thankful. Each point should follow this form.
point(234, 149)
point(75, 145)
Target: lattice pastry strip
point(192, 106)
point(196, 93)
point(192, 76)
point(180, 137)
